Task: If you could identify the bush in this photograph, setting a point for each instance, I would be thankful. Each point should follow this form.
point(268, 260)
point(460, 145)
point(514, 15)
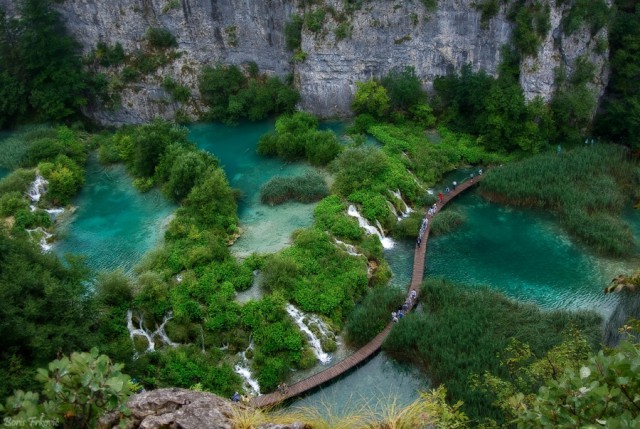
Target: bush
point(11, 202)
point(18, 181)
point(305, 189)
point(178, 92)
point(161, 38)
point(79, 389)
point(293, 32)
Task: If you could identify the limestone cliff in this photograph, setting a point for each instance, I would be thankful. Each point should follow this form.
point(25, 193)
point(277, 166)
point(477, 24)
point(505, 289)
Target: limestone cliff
point(380, 35)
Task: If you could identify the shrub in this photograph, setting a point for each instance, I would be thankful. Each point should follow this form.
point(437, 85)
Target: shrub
point(293, 32)
point(79, 389)
point(178, 92)
point(159, 37)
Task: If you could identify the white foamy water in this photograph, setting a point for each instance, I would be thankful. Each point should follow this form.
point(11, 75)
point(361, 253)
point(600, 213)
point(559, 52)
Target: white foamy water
point(243, 370)
point(37, 189)
point(44, 238)
point(387, 243)
point(141, 331)
point(299, 319)
point(349, 248)
point(407, 210)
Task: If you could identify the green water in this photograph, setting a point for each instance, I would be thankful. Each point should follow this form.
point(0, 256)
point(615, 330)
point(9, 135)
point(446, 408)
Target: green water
point(524, 254)
point(4, 172)
point(114, 225)
point(266, 229)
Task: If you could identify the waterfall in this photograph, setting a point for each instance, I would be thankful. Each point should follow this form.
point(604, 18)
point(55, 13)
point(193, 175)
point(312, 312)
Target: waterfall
point(141, 331)
point(37, 189)
point(242, 369)
point(349, 248)
point(44, 238)
point(387, 243)
point(407, 209)
point(298, 317)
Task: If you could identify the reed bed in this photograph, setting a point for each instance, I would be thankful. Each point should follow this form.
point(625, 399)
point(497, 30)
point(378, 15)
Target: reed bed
point(447, 221)
point(587, 187)
point(305, 189)
point(462, 331)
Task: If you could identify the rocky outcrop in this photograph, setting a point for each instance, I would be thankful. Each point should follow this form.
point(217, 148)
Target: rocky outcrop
point(184, 409)
point(379, 36)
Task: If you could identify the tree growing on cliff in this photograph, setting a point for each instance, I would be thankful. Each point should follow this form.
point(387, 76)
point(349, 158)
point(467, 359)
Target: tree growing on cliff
point(40, 69)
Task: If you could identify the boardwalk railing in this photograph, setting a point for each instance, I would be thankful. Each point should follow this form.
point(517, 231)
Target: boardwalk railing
point(372, 346)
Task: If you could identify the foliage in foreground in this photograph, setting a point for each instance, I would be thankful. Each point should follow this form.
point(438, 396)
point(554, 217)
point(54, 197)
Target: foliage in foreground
point(587, 187)
point(456, 321)
point(76, 391)
point(602, 392)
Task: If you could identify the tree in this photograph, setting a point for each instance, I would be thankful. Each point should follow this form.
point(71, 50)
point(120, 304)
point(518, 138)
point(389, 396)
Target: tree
point(370, 98)
point(404, 88)
point(40, 61)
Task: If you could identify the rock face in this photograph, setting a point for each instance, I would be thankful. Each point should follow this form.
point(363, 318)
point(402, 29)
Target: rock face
point(379, 36)
point(184, 409)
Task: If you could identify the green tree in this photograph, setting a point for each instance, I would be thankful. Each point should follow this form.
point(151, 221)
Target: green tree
point(370, 98)
point(44, 310)
point(404, 88)
point(45, 64)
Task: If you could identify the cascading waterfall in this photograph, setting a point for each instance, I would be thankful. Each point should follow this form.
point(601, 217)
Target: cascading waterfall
point(407, 209)
point(299, 319)
point(242, 369)
point(37, 189)
point(349, 248)
point(44, 238)
point(141, 331)
point(387, 243)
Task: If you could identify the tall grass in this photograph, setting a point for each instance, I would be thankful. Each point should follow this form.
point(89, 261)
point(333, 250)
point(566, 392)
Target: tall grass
point(587, 187)
point(14, 148)
point(305, 189)
point(447, 221)
point(462, 331)
point(372, 314)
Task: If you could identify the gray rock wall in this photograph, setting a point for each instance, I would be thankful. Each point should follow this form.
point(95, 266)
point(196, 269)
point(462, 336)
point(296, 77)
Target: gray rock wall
point(384, 34)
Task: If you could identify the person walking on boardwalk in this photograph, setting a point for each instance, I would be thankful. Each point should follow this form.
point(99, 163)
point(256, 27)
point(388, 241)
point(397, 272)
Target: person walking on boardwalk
point(441, 197)
point(454, 185)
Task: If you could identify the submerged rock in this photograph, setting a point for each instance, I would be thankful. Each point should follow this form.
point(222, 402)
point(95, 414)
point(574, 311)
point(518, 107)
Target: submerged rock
point(181, 408)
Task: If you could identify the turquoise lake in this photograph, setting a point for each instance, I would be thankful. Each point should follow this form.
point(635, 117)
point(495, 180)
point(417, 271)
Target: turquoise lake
point(523, 253)
point(266, 229)
point(114, 225)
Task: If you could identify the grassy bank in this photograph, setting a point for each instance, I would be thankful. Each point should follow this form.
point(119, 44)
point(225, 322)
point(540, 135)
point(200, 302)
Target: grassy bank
point(461, 332)
point(587, 187)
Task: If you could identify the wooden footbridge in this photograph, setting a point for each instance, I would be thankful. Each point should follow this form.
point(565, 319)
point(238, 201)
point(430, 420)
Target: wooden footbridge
point(372, 346)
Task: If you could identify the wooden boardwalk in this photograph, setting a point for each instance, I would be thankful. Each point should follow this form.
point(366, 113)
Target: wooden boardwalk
point(372, 346)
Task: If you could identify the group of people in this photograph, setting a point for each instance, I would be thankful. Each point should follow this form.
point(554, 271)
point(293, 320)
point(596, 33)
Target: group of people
point(423, 228)
point(404, 308)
